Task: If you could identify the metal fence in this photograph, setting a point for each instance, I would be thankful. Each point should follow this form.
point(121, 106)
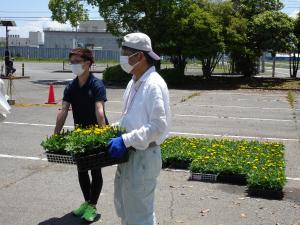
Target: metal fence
point(55, 53)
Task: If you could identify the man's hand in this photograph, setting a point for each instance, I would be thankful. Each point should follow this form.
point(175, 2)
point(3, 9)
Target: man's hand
point(116, 148)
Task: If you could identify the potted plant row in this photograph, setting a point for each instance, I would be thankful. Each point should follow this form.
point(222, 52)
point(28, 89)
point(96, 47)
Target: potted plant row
point(86, 147)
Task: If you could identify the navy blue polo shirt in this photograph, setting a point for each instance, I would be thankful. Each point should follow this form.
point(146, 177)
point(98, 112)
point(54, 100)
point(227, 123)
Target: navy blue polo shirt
point(83, 100)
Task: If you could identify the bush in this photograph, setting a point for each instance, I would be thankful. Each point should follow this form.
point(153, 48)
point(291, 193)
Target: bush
point(247, 65)
point(262, 163)
point(172, 76)
point(116, 76)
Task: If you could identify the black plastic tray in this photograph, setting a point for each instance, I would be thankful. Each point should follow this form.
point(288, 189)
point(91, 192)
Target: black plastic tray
point(99, 160)
point(88, 162)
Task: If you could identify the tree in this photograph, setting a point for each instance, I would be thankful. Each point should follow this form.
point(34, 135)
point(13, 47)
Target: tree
point(236, 40)
point(248, 9)
point(243, 49)
point(234, 27)
point(71, 10)
point(164, 21)
point(273, 32)
point(295, 53)
point(153, 17)
point(201, 38)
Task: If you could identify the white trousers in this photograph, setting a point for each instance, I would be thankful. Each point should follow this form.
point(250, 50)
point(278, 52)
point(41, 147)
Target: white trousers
point(135, 184)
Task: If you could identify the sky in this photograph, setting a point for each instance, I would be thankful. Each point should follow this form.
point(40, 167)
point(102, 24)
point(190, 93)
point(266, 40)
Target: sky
point(39, 8)
point(32, 8)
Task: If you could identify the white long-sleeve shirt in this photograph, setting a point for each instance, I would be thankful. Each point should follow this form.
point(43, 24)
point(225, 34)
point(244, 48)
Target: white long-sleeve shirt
point(146, 111)
point(3, 104)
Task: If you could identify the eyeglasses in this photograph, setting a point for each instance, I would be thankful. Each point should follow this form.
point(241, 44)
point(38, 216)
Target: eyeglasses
point(76, 62)
point(128, 52)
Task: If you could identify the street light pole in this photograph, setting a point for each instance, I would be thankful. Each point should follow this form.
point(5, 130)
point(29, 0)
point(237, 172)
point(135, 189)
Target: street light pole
point(6, 55)
point(6, 24)
point(6, 46)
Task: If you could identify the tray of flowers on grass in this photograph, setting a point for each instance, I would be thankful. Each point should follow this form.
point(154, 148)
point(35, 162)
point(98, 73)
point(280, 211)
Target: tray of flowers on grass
point(85, 147)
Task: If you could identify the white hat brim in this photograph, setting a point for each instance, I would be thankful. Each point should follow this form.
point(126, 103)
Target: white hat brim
point(153, 55)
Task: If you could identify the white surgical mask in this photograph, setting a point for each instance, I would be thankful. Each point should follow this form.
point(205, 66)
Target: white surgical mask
point(125, 65)
point(77, 69)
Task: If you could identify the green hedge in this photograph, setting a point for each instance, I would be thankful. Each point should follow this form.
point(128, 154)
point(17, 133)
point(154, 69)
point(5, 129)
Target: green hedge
point(262, 163)
point(172, 76)
point(116, 76)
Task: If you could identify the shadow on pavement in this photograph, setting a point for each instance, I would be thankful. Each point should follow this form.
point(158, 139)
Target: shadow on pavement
point(55, 82)
point(68, 219)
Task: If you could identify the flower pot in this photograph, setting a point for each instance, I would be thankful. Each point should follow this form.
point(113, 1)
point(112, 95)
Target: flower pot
point(265, 193)
point(62, 159)
point(176, 164)
point(204, 177)
point(232, 178)
point(88, 162)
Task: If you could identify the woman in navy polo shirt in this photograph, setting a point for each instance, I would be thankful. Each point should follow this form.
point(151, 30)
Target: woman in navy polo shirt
point(87, 95)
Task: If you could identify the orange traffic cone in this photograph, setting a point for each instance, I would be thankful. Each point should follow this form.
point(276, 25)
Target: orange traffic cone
point(51, 97)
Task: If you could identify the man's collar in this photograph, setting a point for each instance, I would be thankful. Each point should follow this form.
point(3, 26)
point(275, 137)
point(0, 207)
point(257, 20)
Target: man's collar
point(146, 74)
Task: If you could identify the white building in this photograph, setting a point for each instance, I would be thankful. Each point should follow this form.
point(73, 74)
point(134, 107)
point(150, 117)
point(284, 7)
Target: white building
point(15, 40)
point(34, 39)
point(92, 26)
point(91, 34)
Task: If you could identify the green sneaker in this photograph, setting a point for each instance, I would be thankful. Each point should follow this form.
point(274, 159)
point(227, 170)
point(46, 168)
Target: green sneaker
point(80, 211)
point(90, 213)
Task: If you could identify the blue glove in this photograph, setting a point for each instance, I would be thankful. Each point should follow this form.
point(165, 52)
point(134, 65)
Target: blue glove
point(116, 148)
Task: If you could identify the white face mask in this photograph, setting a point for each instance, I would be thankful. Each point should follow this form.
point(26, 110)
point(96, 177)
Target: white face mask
point(125, 64)
point(77, 69)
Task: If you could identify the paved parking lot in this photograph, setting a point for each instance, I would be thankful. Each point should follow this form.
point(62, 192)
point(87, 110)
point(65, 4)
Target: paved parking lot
point(33, 191)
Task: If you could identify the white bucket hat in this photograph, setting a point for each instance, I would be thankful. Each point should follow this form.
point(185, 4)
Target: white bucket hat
point(140, 41)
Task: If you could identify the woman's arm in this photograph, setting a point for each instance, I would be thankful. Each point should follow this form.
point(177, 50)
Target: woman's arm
point(100, 113)
point(61, 117)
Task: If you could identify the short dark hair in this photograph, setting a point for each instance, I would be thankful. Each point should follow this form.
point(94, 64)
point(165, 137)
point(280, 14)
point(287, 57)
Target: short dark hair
point(84, 53)
point(150, 60)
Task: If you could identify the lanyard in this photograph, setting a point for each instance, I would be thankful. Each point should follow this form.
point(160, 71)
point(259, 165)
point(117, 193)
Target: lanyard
point(129, 101)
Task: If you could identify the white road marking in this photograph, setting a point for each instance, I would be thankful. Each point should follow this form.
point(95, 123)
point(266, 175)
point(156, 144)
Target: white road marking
point(234, 136)
point(240, 107)
point(35, 124)
point(234, 118)
point(291, 178)
point(113, 112)
point(45, 159)
point(21, 157)
point(179, 133)
point(261, 100)
point(245, 94)
point(245, 107)
point(113, 101)
point(222, 117)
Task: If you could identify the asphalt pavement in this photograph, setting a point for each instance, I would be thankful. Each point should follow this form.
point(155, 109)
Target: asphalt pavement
point(33, 191)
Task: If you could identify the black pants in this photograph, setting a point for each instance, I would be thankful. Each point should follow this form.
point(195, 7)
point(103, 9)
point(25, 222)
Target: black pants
point(91, 190)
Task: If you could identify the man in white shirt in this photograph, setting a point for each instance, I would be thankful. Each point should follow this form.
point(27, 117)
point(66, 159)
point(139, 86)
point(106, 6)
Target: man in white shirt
point(4, 107)
point(146, 118)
